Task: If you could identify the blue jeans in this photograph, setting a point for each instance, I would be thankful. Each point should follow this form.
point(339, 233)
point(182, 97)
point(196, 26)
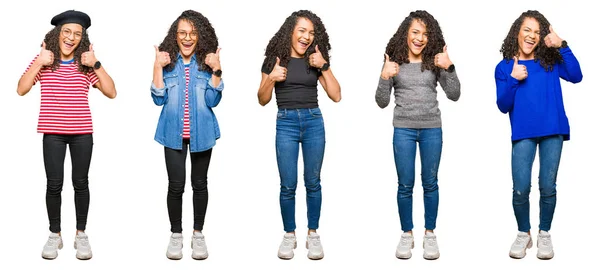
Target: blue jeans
point(295, 126)
point(430, 150)
point(523, 154)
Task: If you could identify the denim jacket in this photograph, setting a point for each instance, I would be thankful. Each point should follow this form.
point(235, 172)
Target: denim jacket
point(202, 97)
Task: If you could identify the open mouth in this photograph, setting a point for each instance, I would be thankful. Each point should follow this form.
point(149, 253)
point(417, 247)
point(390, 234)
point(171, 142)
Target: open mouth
point(418, 45)
point(303, 44)
point(188, 45)
point(529, 43)
point(69, 45)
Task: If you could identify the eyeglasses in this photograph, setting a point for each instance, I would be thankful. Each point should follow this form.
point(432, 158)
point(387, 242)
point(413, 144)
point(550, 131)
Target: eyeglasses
point(67, 33)
point(184, 34)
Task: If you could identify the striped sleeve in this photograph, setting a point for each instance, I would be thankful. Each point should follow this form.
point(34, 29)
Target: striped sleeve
point(93, 78)
point(37, 76)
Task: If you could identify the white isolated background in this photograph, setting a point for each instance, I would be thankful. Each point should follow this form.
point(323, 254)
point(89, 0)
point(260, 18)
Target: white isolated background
point(128, 223)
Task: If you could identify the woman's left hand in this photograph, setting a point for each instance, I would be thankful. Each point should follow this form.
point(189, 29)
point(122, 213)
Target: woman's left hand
point(88, 58)
point(316, 59)
point(442, 60)
point(213, 60)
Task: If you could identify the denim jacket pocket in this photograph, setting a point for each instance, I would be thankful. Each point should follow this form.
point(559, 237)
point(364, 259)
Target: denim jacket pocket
point(171, 80)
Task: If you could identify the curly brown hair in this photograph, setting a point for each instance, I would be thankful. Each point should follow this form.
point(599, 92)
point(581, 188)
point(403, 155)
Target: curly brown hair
point(207, 39)
point(53, 39)
point(545, 55)
point(397, 47)
point(280, 44)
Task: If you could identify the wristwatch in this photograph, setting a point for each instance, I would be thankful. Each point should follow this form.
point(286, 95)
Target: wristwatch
point(218, 73)
point(450, 68)
point(325, 67)
point(564, 44)
point(97, 65)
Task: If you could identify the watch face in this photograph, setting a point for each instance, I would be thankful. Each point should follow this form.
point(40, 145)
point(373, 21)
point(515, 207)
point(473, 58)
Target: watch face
point(97, 65)
point(218, 73)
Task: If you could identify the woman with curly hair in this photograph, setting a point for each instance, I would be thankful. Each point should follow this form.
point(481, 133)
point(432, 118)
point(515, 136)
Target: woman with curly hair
point(295, 59)
point(187, 83)
point(66, 67)
point(528, 89)
point(415, 61)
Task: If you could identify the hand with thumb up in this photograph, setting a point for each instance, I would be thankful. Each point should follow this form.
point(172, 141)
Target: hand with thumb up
point(279, 73)
point(442, 60)
point(519, 72)
point(46, 57)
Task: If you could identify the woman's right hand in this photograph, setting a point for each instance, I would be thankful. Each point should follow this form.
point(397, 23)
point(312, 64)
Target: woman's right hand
point(519, 72)
point(46, 57)
point(162, 58)
point(279, 73)
point(390, 68)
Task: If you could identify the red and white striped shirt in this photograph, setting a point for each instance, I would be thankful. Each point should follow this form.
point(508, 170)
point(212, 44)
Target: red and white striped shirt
point(186, 111)
point(64, 105)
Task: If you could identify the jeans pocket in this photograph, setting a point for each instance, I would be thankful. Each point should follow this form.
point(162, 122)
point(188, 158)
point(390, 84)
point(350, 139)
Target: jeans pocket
point(281, 114)
point(315, 112)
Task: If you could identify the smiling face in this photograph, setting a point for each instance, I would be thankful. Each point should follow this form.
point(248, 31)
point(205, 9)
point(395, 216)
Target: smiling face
point(302, 37)
point(528, 39)
point(69, 39)
point(417, 40)
point(187, 38)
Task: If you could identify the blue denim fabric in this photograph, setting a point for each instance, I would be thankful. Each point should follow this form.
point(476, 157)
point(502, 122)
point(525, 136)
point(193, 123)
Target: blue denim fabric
point(295, 127)
point(430, 149)
point(202, 96)
point(523, 154)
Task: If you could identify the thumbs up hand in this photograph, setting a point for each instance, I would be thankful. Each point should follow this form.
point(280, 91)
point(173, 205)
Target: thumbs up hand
point(88, 58)
point(279, 73)
point(316, 59)
point(213, 60)
point(519, 72)
point(162, 58)
point(390, 68)
point(552, 40)
point(46, 57)
point(442, 60)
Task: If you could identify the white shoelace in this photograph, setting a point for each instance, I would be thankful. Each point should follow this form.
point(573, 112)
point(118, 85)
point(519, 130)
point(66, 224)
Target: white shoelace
point(431, 241)
point(521, 241)
point(314, 241)
point(288, 242)
point(52, 241)
point(545, 240)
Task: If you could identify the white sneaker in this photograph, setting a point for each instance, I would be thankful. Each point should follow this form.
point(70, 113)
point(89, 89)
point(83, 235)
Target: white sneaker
point(521, 244)
point(82, 245)
point(430, 247)
point(288, 244)
point(52, 246)
point(407, 242)
point(544, 245)
point(175, 246)
point(199, 250)
point(313, 244)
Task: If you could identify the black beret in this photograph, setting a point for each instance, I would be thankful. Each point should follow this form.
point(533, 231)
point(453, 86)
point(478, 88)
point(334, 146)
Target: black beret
point(72, 16)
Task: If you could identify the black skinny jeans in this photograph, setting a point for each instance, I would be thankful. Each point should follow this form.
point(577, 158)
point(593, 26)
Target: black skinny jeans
point(175, 160)
point(55, 148)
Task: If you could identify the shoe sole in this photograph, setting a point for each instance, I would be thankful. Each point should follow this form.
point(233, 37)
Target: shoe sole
point(546, 257)
point(405, 256)
point(521, 256)
point(54, 255)
point(174, 257)
point(80, 256)
point(198, 257)
point(431, 257)
point(285, 256)
point(314, 256)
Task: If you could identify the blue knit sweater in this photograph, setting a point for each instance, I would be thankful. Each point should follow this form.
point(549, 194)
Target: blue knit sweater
point(535, 104)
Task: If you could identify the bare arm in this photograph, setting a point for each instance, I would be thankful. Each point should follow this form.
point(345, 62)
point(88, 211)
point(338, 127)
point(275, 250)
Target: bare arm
point(331, 85)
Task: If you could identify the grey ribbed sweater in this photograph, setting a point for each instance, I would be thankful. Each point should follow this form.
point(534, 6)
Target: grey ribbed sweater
point(416, 95)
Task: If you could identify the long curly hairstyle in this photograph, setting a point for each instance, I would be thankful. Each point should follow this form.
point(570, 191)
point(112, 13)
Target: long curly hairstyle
point(280, 44)
point(397, 47)
point(207, 39)
point(53, 39)
point(545, 55)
